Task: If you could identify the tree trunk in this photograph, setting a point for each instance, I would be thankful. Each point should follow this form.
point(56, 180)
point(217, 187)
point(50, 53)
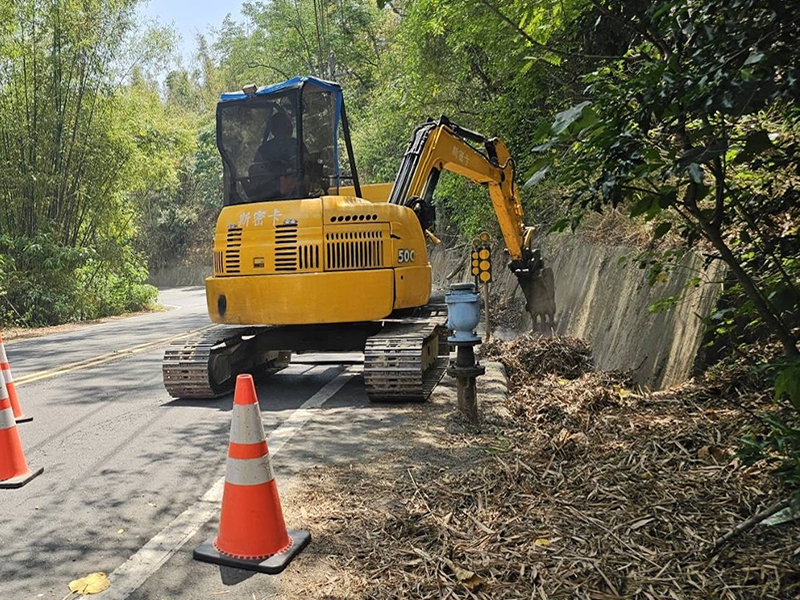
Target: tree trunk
point(784, 334)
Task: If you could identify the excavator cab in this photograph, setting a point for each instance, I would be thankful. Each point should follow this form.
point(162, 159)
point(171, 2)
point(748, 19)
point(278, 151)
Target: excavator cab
point(281, 142)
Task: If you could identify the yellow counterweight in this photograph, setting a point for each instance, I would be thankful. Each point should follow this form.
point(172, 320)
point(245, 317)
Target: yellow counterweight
point(334, 259)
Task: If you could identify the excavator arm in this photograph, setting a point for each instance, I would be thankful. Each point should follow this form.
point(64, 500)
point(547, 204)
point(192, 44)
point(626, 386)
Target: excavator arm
point(441, 145)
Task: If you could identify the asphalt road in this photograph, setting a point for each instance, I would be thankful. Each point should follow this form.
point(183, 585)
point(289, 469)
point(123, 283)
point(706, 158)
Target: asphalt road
point(126, 466)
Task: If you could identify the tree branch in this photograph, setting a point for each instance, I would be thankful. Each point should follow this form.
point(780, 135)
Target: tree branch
point(270, 67)
point(749, 524)
point(770, 318)
point(536, 43)
point(632, 26)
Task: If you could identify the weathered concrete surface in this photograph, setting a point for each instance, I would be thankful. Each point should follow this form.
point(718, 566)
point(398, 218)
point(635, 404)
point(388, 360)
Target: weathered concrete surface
point(192, 272)
point(605, 303)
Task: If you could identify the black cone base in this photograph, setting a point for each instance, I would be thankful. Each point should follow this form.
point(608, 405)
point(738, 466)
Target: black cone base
point(276, 563)
point(18, 482)
point(24, 419)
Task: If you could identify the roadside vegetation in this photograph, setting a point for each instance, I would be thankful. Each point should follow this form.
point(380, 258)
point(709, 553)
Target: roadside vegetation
point(577, 485)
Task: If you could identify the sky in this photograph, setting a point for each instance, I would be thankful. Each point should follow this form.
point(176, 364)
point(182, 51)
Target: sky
point(190, 17)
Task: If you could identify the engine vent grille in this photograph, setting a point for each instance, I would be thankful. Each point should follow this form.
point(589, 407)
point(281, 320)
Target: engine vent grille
point(233, 251)
point(354, 250)
point(308, 256)
point(286, 247)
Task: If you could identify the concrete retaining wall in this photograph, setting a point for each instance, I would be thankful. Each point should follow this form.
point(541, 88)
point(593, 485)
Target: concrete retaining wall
point(180, 275)
point(605, 303)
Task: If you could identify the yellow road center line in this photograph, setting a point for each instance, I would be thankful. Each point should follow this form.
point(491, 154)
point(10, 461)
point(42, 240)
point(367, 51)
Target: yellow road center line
point(99, 360)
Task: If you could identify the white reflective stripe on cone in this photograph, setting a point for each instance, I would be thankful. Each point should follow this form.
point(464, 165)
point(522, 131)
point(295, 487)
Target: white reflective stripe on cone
point(246, 425)
point(249, 471)
point(3, 356)
point(7, 376)
point(7, 419)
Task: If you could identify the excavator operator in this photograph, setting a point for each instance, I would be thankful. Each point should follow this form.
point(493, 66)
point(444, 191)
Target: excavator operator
point(275, 162)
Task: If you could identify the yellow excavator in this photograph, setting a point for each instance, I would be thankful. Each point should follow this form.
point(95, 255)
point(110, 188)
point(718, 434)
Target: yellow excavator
point(306, 258)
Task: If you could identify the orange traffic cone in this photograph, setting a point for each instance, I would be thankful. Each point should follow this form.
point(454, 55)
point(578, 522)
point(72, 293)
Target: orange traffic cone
point(5, 369)
point(252, 533)
point(14, 471)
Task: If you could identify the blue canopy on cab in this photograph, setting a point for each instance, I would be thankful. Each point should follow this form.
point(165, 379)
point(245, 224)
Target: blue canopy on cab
point(294, 82)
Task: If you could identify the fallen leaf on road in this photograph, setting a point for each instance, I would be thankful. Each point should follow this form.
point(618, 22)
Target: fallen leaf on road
point(541, 542)
point(94, 583)
point(624, 393)
point(713, 454)
point(784, 516)
point(423, 554)
point(473, 582)
point(562, 436)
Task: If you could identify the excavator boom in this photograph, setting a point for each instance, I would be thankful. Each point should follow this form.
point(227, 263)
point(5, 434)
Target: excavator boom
point(442, 145)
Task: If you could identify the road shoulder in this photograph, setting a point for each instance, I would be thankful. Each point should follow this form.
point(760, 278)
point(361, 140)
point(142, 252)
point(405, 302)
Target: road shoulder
point(434, 442)
point(361, 446)
point(12, 334)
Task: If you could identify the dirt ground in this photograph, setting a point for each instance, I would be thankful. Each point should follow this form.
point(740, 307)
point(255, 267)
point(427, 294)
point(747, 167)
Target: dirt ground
point(574, 486)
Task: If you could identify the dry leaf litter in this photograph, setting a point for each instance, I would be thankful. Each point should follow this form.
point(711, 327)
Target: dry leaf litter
point(584, 487)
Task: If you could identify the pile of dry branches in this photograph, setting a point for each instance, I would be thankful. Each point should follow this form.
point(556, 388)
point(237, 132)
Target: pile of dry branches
point(530, 357)
point(508, 314)
point(589, 489)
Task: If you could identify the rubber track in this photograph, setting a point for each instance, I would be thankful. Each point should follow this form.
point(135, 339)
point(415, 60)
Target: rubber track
point(393, 358)
point(186, 363)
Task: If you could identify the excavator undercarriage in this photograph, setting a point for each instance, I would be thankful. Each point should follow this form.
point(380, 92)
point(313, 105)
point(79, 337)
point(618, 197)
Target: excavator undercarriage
point(405, 356)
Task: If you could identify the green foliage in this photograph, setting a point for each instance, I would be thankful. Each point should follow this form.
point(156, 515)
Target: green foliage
point(75, 148)
point(283, 38)
point(44, 282)
point(777, 440)
point(779, 446)
point(787, 383)
point(113, 288)
point(489, 73)
point(38, 283)
point(466, 206)
point(694, 128)
point(178, 220)
point(695, 120)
